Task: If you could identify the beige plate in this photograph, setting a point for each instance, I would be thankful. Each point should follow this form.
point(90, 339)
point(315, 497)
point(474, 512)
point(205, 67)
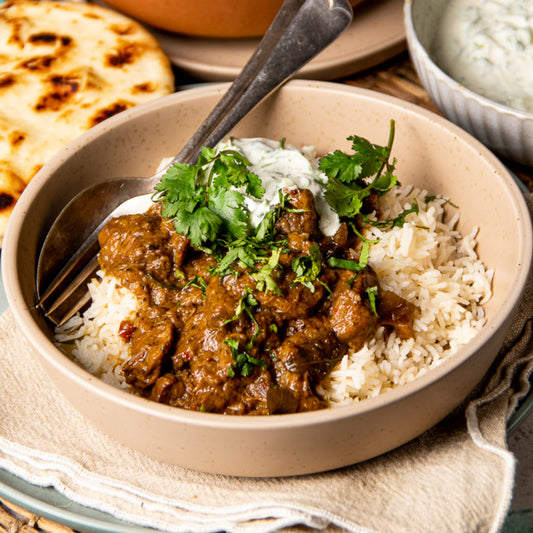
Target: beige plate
point(431, 152)
point(376, 34)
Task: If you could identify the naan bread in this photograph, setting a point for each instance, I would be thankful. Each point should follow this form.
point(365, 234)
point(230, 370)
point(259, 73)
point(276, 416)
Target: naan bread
point(65, 67)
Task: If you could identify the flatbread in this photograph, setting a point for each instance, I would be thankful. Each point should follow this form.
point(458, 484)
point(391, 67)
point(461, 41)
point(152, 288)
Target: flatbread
point(65, 67)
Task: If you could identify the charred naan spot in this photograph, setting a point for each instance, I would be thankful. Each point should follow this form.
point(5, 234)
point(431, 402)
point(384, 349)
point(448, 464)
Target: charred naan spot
point(16, 35)
point(123, 29)
point(16, 137)
point(49, 38)
point(43, 38)
point(62, 89)
point(123, 55)
point(146, 87)
point(38, 63)
point(6, 201)
point(92, 16)
point(7, 80)
point(109, 111)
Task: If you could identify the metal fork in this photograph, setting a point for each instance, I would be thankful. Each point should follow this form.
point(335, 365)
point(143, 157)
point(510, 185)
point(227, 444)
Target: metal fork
point(299, 32)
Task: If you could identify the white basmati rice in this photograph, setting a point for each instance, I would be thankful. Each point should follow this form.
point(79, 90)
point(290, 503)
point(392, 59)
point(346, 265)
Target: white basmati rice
point(430, 264)
point(93, 339)
point(426, 261)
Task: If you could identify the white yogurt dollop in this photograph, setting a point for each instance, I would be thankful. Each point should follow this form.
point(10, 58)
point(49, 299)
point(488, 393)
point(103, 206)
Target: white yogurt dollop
point(487, 46)
point(280, 167)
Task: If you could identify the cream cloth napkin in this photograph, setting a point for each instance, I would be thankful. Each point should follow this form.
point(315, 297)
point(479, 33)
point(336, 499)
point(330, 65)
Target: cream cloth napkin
point(457, 477)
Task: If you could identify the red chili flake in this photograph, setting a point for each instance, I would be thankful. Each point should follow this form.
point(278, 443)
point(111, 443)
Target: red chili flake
point(125, 330)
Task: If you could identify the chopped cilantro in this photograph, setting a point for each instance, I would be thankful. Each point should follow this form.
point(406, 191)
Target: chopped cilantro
point(161, 284)
point(372, 293)
point(308, 267)
point(263, 277)
point(244, 362)
point(396, 222)
point(197, 282)
point(350, 175)
point(429, 199)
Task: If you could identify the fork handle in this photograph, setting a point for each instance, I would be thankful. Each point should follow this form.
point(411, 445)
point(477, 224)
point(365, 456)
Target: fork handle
point(299, 32)
point(282, 20)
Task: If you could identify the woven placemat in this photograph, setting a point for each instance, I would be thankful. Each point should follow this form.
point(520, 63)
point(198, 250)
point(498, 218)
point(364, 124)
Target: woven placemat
point(397, 78)
point(14, 519)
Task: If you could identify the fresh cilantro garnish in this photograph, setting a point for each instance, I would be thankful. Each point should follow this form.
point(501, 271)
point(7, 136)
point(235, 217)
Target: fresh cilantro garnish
point(429, 199)
point(203, 201)
point(245, 305)
point(161, 284)
point(396, 222)
point(263, 277)
point(308, 267)
point(244, 362)
point(349, 264)
point(198, 283)
point(364, 255)
point(372, 293)
point(353, 177)
point(399, 221)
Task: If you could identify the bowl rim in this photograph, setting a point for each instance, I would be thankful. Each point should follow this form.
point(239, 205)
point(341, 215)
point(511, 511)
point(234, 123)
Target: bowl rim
point(416, 49)
point(45, 348)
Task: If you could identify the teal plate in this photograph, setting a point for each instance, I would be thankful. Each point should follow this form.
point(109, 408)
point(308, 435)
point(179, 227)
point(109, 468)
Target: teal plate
point(50, 504)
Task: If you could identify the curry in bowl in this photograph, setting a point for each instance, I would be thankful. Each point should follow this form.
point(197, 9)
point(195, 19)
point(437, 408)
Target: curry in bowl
point(265, 280)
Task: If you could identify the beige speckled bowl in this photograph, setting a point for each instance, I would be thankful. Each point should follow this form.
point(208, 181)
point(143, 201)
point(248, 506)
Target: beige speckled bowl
point(506, 131)
point(432, 153)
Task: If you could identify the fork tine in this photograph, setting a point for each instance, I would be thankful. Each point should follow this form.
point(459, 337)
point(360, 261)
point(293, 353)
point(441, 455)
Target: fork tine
point(84, 275)
point(84, 255)
point(78, 305)
point(72, 298)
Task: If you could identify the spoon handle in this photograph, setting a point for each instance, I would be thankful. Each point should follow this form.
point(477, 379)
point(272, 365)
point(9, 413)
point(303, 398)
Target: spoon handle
point(269, 41)
point(299, 32)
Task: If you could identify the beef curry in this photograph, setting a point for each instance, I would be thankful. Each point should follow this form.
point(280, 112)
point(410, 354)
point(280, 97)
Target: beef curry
point(226, 341)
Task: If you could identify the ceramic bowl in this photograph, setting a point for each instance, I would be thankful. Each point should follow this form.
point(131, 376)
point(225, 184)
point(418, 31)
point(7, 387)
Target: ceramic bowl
point(506, 131)
point(205, 18)
point(432, 153)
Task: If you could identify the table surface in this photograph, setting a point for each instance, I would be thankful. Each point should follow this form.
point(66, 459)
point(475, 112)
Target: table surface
point(395, 77)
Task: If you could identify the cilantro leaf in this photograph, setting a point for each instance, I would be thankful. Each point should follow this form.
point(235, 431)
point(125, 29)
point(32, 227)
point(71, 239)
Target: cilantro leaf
point(308, 267)
point(263, 277)
point(349, 175)
point(203, 200)
point(200, 225)
point(346, 201)
point(244, 362)
point(227, 204)
point(372, 293)
point(341, 166)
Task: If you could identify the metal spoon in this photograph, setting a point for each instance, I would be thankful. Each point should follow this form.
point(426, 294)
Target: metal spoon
point(299, 32)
